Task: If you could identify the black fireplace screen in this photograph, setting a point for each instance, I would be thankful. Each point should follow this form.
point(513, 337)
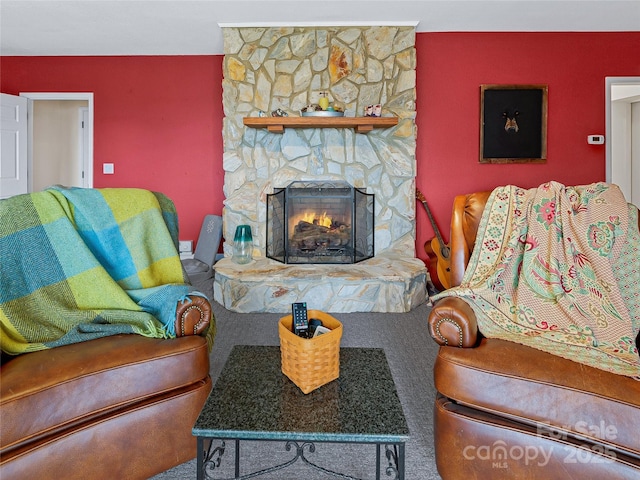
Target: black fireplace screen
point(320, 222)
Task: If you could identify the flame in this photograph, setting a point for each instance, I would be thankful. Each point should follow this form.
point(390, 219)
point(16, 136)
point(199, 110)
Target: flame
point(311, 217)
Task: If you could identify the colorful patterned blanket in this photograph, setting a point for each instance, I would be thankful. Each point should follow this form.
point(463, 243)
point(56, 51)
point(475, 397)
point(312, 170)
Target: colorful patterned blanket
point(558, 269)
point(79, 264)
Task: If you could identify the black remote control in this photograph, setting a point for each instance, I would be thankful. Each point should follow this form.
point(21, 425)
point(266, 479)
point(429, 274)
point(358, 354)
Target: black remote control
point(300, 320)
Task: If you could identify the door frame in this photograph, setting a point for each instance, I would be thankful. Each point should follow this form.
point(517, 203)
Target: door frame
point(88, 157)
point(83, 142)
point(609, 83)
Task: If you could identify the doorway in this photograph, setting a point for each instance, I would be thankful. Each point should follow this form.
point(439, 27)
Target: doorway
point(60, 139)
point(623, 135)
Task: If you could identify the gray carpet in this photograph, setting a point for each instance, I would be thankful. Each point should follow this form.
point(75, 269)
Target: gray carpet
point(410, 352)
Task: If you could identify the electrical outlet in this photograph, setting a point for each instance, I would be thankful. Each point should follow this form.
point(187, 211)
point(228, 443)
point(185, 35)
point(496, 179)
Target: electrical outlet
point(107, 168)
point(185, 246)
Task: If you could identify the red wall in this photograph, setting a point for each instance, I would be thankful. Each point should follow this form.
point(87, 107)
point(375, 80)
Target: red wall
point(159, 119)
point(451, 68)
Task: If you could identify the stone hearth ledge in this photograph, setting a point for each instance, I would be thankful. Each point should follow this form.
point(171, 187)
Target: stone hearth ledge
point(389, 282)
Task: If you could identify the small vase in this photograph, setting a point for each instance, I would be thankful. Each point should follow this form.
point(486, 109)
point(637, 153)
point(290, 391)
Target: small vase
point(242, 245)
point(324, 101)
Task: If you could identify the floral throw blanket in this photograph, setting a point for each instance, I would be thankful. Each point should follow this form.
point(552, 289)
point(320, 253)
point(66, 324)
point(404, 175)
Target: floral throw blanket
point(558, 269)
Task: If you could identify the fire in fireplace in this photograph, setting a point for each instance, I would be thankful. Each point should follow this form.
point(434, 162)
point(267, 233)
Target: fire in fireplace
point(320, 222)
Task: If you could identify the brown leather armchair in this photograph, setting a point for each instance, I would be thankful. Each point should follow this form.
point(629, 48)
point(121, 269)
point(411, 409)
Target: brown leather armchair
point(505, 410)
point(121, 406)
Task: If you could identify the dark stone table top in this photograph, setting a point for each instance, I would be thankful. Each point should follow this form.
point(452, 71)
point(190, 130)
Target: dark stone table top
point(254, 400)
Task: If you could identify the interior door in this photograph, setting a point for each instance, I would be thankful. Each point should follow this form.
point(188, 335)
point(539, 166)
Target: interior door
point(13, 146)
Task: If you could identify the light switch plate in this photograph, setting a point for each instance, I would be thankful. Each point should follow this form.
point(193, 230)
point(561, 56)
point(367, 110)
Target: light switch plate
point(107, 168)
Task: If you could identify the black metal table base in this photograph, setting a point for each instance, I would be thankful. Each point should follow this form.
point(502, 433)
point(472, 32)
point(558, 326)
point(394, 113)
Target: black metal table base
point(210, 460)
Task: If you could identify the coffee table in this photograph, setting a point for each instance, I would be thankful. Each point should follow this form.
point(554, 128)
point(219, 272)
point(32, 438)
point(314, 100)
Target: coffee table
point(253, 400)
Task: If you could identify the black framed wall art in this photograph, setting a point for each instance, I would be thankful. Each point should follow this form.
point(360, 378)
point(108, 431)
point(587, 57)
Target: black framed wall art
point(513, 123)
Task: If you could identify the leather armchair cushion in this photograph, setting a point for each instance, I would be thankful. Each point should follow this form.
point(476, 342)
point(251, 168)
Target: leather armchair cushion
point(465, 219)
point(473, 444)
point(519, 382)
point(89, 379)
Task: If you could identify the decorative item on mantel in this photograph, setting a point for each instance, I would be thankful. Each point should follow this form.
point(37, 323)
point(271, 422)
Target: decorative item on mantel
point(323, 108)
point(373, 110)
point(315, 110)
point(278, 112)
point(324, 101)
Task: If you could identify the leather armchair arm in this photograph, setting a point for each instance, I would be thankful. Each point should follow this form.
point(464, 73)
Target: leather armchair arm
point(453, 322)
point(192, 316)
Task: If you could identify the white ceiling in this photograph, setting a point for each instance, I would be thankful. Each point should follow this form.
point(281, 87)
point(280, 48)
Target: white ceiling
point(187, 27)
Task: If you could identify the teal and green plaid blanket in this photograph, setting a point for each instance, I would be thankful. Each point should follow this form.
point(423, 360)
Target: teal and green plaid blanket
point(78, 264)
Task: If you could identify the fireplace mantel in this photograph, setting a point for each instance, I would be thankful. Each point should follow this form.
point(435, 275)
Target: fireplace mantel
point(361, 124)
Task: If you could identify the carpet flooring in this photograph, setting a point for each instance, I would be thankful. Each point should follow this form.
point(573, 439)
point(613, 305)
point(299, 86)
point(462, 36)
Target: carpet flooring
point(410, 352)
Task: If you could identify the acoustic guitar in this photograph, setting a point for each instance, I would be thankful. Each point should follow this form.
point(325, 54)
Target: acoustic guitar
point(438, 252)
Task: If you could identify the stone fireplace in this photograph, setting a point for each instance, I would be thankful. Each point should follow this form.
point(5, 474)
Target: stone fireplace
point(287, 68)
point(320, 223)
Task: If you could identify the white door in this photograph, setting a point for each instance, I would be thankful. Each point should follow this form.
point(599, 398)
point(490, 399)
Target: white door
point(13, 146)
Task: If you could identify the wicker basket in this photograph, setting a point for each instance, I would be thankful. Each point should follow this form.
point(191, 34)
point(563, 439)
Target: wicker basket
point(311, 362)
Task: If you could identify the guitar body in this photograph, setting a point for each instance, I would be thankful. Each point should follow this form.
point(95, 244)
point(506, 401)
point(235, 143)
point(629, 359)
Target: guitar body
point(432, 266)
point(439, 259)
point(440, 266)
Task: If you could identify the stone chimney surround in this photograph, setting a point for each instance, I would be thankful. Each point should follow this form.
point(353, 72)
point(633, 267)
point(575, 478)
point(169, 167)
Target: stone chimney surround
point(287, 68)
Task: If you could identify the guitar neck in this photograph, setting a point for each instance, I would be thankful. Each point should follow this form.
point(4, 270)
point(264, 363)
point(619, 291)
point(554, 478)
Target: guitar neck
point(433, 224)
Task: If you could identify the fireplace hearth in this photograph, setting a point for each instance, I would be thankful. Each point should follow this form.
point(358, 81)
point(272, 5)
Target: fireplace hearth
point(320, 222)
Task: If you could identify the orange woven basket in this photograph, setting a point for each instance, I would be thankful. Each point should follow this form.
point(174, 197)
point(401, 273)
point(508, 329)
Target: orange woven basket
point(311, 362)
